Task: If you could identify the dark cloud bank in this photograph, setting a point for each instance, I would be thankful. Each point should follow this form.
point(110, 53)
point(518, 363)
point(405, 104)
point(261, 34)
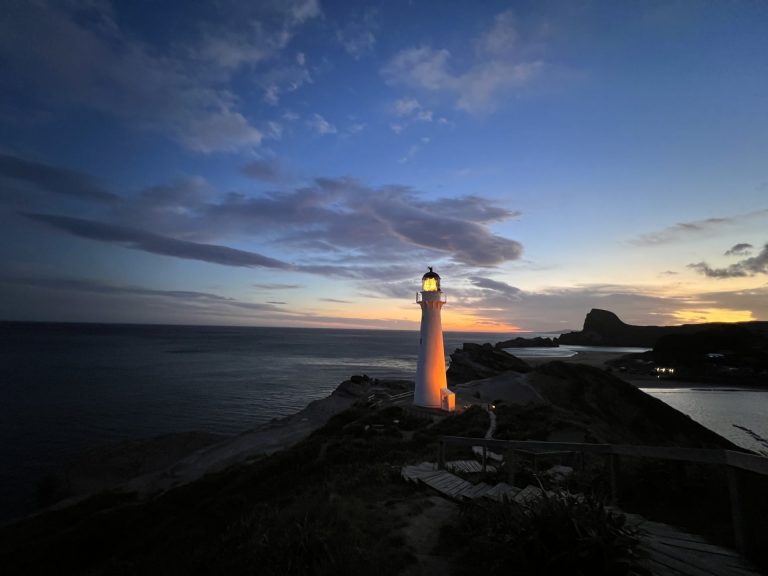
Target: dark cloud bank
point(334, 226)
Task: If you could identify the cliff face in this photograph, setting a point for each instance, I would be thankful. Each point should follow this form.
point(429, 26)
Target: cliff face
point(604, 328)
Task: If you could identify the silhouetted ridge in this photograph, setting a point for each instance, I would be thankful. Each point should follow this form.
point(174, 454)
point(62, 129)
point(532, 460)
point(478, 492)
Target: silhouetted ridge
point(604, 328)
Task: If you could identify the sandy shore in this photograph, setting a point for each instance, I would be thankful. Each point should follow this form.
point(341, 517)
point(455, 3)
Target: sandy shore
point(592, 358)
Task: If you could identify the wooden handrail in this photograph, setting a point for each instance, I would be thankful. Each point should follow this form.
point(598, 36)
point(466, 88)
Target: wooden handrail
point(732, 461)
point(742, 460)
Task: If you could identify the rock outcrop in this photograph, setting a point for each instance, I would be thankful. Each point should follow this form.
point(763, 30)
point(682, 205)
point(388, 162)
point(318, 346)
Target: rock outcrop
point(476, 361)
point(519, 342)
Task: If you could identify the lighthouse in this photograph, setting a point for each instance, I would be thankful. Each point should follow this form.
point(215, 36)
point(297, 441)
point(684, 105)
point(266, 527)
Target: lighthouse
point(431, 386)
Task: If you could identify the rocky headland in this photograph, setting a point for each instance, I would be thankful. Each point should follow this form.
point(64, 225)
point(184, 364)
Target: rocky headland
point(716, 352)
point(604, 328)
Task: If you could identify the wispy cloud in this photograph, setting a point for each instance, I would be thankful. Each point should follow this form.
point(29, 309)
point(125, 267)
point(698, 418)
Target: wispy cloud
point(17, 171)
point(496, 286)
point(746, 267)
point(276, 286)
point(84, 299)
point(89, 61)
point(157, 244)
point(334, 226)
point(265, 169)
point(501, 63)
point(695, 227)
point(741, 249)
point(96, 286)
point(357, 36)
point(411, 108)
point(320, 125)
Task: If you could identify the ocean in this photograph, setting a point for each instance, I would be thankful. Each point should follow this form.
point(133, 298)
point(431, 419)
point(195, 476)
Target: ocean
point(66, 388)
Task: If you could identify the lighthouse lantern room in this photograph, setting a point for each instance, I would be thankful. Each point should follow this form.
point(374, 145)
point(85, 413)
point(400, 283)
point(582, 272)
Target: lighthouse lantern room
point(431, 386)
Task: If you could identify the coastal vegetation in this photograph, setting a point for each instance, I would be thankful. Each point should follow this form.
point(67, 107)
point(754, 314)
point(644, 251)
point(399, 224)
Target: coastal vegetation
point(564, 534)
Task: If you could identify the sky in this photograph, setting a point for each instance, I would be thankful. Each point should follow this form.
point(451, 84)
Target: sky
point(302, 162)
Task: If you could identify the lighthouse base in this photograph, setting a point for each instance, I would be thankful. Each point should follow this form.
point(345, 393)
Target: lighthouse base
point(447, 400)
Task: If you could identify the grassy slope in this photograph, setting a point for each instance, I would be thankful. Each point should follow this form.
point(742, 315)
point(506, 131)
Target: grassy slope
point(326, 506)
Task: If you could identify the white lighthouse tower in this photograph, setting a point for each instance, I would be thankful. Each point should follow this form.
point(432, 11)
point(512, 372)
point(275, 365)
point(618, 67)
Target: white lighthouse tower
point(431, 386)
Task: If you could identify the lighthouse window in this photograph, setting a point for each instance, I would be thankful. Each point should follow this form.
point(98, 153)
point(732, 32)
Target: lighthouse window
point(429, 285)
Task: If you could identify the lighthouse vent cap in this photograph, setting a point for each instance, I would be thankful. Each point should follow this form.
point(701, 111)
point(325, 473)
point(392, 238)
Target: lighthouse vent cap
point(430, 282)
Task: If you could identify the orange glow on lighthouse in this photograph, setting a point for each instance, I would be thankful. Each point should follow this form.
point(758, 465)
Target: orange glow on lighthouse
point(431, 385)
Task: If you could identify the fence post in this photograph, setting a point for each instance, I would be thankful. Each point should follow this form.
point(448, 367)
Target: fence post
point(511, 465)
point(737, 518)
point(613, 471)
point(441, 456)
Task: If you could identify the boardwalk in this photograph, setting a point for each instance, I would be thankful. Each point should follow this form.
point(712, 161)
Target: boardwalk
point(452, 486)
point(671, 551)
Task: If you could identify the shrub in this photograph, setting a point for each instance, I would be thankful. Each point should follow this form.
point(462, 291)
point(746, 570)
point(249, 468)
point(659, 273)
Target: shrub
point(559, 534)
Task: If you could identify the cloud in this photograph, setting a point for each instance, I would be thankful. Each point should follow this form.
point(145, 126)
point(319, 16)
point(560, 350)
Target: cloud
point(94, 286)
point(302, 10)
point(345, 218)
point(223, 130)
point(356, 127)
point(157, 244)
point(741, 249)
point(321, 125)
point(496, 286)
point(286, 79)
point(53, 298)
point(747, 267)
point(409, 110)
point(180, 87)
point(469, 242)
point(267, 170)
point(337, 227)
point(357, 35)
point(390, 220)
point(406, 106)
point(275, 286)
point(54, 180)
point(335, 301)
point(499, 66)
point(695, 227)
point(81, 299)
point(413, 150)
point(502, 38)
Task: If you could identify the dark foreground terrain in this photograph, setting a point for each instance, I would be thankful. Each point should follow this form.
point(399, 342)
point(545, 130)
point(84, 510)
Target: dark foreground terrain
point(335, 503)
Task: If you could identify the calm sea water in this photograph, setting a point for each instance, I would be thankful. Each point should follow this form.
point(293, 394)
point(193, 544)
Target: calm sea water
point(65, 388)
